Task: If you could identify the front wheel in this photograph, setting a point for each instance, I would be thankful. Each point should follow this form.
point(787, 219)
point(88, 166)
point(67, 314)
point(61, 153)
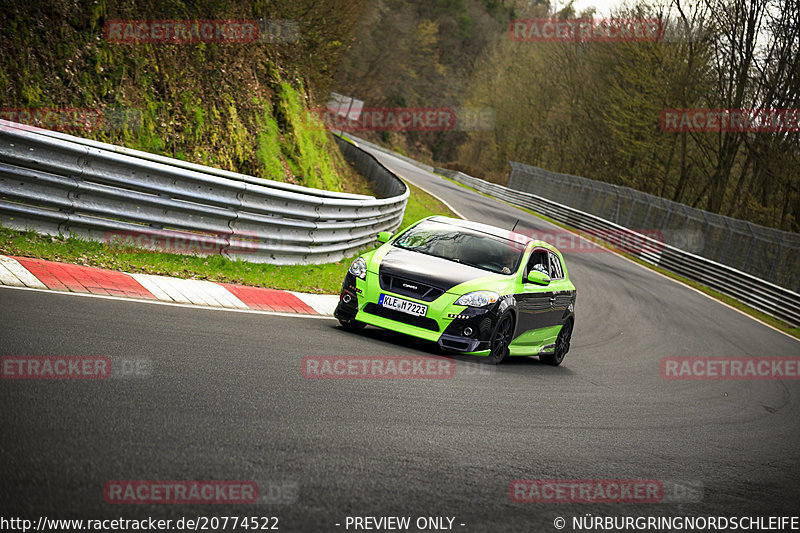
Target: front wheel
point(501, 338)
point(561, 348)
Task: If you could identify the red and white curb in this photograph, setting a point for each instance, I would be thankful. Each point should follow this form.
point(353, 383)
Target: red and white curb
point(49, 275)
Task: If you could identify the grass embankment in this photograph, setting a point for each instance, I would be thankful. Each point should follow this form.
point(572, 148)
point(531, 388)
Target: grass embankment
point(324, 279)
point(242, 107)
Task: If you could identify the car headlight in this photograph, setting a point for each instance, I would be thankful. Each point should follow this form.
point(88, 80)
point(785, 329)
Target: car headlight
point(358, 268)
point(478, 298)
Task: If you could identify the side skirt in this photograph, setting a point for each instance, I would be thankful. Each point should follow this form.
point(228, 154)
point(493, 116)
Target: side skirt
point(535, 342)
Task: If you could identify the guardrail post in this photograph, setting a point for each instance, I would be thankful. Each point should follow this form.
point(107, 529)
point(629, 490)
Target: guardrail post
point(727, 241)
point(750, 249)
point(603, 197)
point(705, 233)
point(685, 236)
point(777, 258)
point(630, 212)
point(666, 218)
point(647, 215)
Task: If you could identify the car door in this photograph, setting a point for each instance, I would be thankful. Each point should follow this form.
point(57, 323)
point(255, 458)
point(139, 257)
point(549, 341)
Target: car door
point(562, 293)
point(534, 302)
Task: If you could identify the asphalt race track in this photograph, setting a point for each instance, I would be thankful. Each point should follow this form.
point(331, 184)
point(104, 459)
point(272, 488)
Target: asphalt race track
point(224, 399)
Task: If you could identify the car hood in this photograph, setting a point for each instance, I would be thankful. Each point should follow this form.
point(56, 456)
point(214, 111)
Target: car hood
point(429, 269)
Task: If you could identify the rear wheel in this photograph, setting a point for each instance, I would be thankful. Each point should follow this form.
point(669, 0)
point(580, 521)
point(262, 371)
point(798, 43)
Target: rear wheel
point(501, 339)
point(352, 325)
point(561, 348)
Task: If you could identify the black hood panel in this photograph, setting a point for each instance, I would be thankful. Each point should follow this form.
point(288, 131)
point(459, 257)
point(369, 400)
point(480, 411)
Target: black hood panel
point(427, 269)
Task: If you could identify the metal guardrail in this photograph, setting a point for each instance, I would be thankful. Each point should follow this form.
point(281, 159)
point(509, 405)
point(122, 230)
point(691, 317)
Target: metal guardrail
point(759, 294)
point(59, 184)
point(763, 252)
point(199, 168)
point(360, 141)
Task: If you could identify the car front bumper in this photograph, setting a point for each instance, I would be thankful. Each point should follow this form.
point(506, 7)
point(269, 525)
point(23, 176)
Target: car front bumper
point(455, 328)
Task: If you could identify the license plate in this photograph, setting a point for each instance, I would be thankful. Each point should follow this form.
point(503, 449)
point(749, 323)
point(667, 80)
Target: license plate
point(398, 304)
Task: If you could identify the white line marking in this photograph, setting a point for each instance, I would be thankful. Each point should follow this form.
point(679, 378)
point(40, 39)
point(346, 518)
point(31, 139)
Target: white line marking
point(423, 189)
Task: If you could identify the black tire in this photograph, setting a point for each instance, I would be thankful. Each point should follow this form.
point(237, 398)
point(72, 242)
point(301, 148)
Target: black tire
point(501, 338)
point(352, 325)
point(561, 348)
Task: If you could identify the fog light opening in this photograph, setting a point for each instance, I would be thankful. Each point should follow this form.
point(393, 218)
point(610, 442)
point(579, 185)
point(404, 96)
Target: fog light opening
point(467, 331)
point(346, 298)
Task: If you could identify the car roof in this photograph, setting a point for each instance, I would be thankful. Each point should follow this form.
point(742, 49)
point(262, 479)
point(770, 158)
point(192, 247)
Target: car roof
point(483, 228)
point(521, 238)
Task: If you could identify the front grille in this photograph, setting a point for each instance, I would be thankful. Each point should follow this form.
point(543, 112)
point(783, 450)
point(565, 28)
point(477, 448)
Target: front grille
point(414, 289)
point(418, 321)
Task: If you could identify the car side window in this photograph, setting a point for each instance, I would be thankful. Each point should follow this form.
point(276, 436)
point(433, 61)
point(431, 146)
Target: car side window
point(556, 271)
point(538, 261)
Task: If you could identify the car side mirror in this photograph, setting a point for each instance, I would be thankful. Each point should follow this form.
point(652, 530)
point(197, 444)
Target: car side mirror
point(539, 278)
point(384, 236)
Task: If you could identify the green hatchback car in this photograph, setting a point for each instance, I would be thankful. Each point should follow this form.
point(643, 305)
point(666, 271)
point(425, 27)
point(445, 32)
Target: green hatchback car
point(472, 288)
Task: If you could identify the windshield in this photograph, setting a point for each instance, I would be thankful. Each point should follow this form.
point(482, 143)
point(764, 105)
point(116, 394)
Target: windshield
point(463, 245)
